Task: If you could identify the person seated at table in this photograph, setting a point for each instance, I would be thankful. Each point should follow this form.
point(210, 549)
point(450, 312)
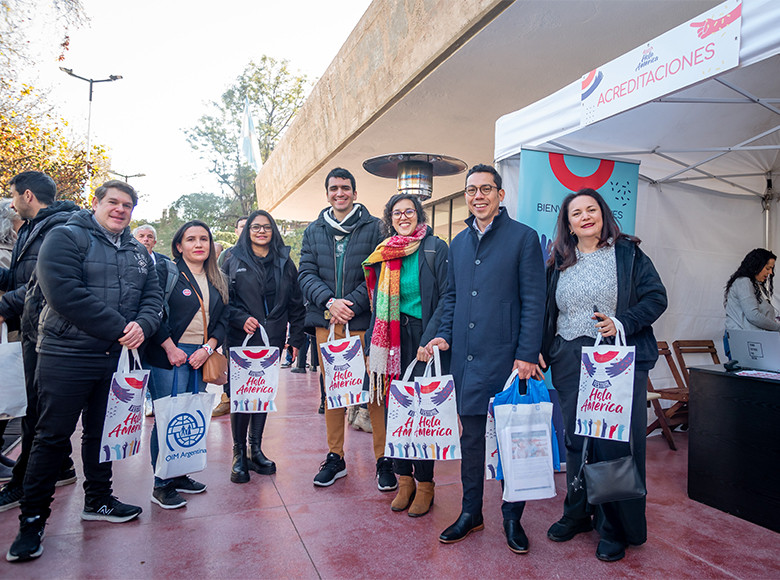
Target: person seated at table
point(748, 293)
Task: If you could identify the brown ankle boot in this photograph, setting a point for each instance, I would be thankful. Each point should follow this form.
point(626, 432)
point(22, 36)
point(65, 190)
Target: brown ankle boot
point(423, 499)
point(405, 493)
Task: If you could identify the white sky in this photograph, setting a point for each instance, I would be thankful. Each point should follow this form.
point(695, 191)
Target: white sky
point(175, 57)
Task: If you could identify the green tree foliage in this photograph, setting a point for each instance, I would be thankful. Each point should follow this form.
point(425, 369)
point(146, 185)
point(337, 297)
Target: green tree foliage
point(207, 207)
point(275, 95)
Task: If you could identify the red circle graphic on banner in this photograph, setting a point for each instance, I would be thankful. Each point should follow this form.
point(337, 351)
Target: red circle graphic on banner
point(574, 182)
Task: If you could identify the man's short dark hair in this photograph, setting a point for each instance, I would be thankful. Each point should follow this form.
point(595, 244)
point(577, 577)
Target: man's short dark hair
point(122, 186)
point(340, 173)
point(242, 218)
point(42, 186)
point(485, 168)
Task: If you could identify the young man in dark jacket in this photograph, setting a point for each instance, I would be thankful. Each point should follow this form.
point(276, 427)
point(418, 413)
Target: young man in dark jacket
point(32, 194)
point(101, 294)
point(331, 278)
point(492, 318)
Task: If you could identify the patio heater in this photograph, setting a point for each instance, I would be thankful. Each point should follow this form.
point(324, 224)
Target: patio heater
point(414, 172)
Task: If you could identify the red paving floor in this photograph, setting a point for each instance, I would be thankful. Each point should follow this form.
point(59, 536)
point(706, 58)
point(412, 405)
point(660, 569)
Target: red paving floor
point(281, 526)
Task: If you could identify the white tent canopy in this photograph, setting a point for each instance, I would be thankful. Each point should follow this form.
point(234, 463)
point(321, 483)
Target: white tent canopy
point(708, 153)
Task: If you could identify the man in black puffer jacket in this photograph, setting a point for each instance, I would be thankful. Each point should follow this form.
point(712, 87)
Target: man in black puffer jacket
point(101, 294)
point(332, 280)
point(33, 196)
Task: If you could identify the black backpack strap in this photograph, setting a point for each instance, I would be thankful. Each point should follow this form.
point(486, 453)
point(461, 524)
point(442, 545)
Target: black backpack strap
point(429, 249)
point(172, 276)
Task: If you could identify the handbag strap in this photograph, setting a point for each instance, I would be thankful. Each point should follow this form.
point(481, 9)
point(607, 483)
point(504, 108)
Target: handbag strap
point(202, 309)
point(585, 451)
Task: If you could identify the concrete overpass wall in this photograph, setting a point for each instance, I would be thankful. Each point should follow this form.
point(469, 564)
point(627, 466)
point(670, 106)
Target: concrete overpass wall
point(395, 45)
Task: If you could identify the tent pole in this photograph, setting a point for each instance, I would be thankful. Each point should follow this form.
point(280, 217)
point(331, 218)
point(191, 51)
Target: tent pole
point(766, 205)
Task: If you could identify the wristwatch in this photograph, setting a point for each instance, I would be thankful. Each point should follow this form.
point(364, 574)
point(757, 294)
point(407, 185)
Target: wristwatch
point(329, 303)
point(208, 349)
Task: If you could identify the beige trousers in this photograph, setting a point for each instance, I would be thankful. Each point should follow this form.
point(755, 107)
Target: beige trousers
point(334, 418)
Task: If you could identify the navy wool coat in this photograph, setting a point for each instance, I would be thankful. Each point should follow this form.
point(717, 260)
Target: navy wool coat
point(493, 309)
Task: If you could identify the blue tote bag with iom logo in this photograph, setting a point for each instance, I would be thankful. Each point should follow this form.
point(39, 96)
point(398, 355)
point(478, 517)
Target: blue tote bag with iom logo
point(182, 426)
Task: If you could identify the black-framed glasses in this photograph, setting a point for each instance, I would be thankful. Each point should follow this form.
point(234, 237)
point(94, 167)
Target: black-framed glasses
point(260, 228)
point(397, 213)
point(486, 189)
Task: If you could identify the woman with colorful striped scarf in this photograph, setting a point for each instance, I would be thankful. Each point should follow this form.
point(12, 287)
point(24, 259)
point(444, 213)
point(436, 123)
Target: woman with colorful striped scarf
point(406, 277)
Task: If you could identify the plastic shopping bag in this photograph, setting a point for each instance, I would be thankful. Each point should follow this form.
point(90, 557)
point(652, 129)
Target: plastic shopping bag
point(254, 376)
point(344, 368)
point(13, 393)
point(525, 443)
point(182, 426)
point(606, 389)
point(124, 411)
point(536, 392)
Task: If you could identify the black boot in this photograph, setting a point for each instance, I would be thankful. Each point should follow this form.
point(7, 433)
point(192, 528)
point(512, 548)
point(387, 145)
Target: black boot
point(238, 426)
point(258, 462)
point(240, 471)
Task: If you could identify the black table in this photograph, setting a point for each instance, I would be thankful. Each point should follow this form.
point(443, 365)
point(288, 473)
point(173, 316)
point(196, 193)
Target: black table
point(734, 444)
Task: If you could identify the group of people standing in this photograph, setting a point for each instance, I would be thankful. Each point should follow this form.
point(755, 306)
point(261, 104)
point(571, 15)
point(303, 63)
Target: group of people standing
point(484, 301)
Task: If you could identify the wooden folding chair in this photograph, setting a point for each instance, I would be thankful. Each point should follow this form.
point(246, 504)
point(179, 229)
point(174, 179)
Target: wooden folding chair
point(683, 347)
point(675, 415)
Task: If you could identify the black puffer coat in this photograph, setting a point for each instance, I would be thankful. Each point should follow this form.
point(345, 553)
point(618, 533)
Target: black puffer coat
point(25, 255)
point(246, 299)
point(317, 272)
point(94, 289)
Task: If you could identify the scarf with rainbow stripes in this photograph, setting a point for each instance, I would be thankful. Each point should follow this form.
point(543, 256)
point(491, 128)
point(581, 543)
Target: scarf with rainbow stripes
point(384, 354)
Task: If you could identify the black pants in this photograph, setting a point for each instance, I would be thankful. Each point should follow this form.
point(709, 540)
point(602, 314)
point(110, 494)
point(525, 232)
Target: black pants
point(68, 387)
point(472, 469)
point(411, 333)
point(622, 521)
point(303, 353)
point(30, 358)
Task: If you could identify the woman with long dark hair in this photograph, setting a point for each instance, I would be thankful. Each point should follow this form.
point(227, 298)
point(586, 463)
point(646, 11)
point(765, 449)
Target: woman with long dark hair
point(200, 288)
point(264, 289)
point(594, 265)
point(748, 293)
point(407, 277)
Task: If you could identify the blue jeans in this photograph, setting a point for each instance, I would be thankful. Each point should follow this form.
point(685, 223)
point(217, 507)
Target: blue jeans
point(161, 385)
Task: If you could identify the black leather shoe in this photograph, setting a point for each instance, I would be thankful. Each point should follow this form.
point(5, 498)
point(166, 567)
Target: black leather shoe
point(259, 463)
point(515, 537)
point(610, 551)
point(566, 528)
point(465, 524)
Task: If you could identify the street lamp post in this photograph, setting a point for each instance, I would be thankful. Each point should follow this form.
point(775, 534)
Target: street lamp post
point(88, 185)
point(127, 178)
